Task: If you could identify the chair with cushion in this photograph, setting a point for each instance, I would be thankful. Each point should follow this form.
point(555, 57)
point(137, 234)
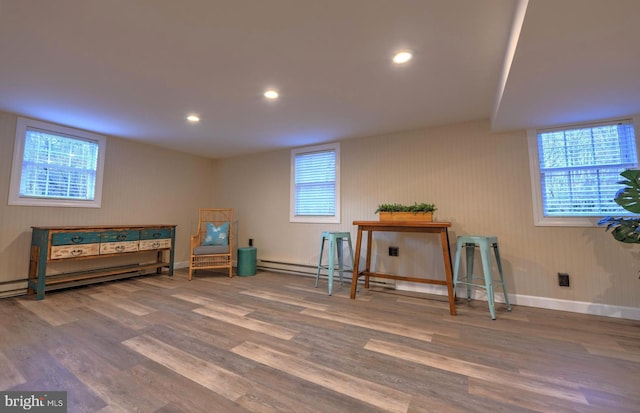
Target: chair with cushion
point(212, 247)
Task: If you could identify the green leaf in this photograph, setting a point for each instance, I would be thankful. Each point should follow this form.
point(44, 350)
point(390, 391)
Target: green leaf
point(626, 234)
point(626, 229)
point(415, 208)
point(629, 197)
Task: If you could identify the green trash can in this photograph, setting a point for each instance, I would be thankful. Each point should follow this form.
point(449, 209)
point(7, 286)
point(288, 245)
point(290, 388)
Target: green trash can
point(247, 261)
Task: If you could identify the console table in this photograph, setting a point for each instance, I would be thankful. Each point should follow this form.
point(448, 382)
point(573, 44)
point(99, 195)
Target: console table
point(60, 244)
point(401, 226)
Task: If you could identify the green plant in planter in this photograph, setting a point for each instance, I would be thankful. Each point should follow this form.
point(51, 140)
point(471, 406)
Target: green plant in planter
point(415, 208)
point(626, 229)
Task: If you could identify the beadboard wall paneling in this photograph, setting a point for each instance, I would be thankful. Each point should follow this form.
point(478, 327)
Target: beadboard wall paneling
point(479, 181)
point(143, 184)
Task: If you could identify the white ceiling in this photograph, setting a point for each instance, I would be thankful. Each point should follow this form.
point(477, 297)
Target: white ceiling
point(135, 68)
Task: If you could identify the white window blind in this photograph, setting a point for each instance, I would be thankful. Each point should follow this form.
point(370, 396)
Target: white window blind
point(579, 168)
point(315, 175)
point(57, 166)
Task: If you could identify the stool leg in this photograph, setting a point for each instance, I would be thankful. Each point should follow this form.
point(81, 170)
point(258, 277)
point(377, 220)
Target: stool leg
point(332, 248)
point(353, 265)
point(504, 288)
point(488, 277)
point(470, 251)
point(320, 261)
point(456, 264)
point(340, 259)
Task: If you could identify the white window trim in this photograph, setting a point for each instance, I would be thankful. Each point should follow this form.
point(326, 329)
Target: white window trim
point(18, 156)
point(536, 191)
point(335, 219)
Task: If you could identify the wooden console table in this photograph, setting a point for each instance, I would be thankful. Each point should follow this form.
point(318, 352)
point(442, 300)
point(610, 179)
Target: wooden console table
point(400, 226)
point(58, 244)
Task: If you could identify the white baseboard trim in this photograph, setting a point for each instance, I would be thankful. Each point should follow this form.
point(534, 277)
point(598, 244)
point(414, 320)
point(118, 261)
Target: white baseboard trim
point(606, 310)
point(583, 307)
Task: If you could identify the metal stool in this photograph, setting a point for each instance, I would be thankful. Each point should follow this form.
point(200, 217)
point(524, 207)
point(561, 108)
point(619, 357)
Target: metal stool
point(335, 244)
point(485, 244)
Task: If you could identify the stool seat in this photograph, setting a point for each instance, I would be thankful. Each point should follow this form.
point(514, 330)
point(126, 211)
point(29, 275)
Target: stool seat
point(485, 244)
point(335, 240)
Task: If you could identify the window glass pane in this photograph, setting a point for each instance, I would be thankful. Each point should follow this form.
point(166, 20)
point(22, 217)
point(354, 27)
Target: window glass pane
point(315, 183)
point(56, 166)
point(580, 168)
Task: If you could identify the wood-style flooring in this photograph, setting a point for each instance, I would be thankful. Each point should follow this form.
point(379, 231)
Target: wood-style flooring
point(274, 343)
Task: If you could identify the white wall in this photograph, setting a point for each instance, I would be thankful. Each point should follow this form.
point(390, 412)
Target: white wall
point(143, 184)
point(478, 180)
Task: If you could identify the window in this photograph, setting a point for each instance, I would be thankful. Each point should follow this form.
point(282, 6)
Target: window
point(575, 171)
point(56, 166)
point(315, 184)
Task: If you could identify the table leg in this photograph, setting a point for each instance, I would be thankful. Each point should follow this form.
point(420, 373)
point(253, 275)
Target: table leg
point(356, 261)
point(33, 269)
point(367, 269)
point(446, 254)
point(159, 257)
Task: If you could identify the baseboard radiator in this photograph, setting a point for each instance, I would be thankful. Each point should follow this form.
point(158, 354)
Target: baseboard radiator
point(311, 271)
point(13, 288)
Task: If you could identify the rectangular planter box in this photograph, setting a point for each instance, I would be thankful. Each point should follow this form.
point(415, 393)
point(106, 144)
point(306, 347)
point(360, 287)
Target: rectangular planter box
point(406, 216)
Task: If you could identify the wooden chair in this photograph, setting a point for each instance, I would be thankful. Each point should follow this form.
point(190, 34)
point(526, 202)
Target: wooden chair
point(212, 246)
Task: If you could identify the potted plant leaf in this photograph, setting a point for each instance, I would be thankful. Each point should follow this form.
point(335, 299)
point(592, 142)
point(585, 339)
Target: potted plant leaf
point(626, 228)
point(422, 212)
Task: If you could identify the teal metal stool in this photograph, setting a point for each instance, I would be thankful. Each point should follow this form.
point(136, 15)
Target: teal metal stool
point(485, 244)
point(335, 244)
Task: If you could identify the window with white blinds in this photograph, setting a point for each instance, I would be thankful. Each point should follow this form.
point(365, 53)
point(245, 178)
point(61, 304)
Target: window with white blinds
point(56, 166)
point(315, 182)
point(577, 171)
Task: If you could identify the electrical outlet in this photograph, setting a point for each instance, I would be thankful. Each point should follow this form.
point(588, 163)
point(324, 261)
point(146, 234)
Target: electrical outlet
point(563, 279)
point(251, 242)
point(393, 251)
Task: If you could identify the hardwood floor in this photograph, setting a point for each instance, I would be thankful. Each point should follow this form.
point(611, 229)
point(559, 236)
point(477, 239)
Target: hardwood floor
point(273, 343)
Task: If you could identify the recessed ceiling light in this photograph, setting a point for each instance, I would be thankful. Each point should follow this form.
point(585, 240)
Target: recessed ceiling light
point(193, 118)
point(403, 56)
point(271, 94)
